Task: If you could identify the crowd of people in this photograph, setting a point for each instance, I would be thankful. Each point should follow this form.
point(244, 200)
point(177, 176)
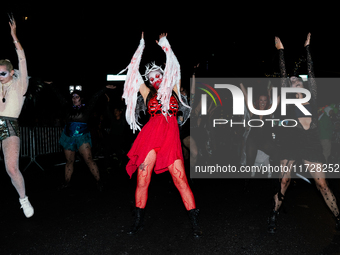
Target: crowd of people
point(158, 146)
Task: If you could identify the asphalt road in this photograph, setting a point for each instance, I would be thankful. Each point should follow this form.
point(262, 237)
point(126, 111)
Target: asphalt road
point(82, 220)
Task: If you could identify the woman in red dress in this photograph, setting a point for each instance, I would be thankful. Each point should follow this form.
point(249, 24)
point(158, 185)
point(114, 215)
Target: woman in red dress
point(157, 146)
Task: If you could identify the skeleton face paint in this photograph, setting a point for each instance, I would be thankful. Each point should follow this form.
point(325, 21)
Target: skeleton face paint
point(5, 75)
point(76, 100)
point(155, 78)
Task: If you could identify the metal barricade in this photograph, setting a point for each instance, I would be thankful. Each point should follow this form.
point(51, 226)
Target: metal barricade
point(37, 141)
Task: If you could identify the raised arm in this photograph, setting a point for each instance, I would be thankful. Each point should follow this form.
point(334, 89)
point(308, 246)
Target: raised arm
point(134, 83)
point(193, 85)
point(310, 68)
point(245, 96)
point(23, 76)
point(94, 99)
point(63, 101)
point(171, 76)
point(143, 89)
point(279, 46)
point(311, 75)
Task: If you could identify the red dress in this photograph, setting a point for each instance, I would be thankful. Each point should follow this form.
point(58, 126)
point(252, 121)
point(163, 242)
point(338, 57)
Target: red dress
point(159, 134)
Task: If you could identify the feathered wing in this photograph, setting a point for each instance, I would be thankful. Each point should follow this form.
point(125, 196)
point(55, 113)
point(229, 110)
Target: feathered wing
point(131, 86)
point(171, 77)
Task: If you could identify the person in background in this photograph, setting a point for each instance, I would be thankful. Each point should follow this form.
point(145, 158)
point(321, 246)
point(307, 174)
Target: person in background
point(76, 135)
point(326, 129)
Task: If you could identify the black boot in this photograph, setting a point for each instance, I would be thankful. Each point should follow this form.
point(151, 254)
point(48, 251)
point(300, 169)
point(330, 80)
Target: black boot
point(272, 222)
point(337, 223)
point(139, 220)
point(193, 216)
point(64, 185)
point(100, 185)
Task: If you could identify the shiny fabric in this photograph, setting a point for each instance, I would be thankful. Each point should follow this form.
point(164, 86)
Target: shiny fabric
point(8, 127)
point(74, 135)
point(74, 129)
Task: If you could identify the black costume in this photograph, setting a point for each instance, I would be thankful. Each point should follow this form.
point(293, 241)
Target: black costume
point(259, 138)
point(296, 142)
point(76, 131)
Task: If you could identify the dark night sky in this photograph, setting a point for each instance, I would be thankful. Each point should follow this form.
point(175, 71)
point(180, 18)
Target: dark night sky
point(82, 43)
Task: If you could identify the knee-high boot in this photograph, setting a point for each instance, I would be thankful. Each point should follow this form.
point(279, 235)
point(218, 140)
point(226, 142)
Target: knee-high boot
point(193, 216)
point(138, 221)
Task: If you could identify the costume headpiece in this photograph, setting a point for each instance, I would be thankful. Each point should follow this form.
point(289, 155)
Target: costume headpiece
point(150, 68)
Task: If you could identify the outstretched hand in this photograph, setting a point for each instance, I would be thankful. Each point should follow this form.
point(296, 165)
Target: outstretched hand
point(278, 43)
point(13, 26)
point(111, 87)
point(161, 36)
point(308, 39)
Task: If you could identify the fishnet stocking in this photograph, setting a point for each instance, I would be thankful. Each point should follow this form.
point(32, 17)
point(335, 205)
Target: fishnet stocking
point(11, 148)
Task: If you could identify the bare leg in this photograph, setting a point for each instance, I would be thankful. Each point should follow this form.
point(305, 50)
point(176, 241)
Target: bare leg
point(70, 156)
point(177, 172)
point(11, 148)
point(144, 178)
point(322, 186)
point(85, 151)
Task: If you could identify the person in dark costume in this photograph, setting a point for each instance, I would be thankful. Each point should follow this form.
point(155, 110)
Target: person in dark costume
point(301, 142)
point(76, 135)
point(258, 138)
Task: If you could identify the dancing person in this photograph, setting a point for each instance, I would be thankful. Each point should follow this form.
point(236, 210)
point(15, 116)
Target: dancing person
point(157, 146)
point(258, 138)
point(301, 142)
point(76, 135)
point(14, 84)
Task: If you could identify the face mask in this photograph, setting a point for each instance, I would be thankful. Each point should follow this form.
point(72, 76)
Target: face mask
point(155, 79)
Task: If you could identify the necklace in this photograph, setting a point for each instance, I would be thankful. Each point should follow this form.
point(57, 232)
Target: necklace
point(4, 94)
point(78, 106)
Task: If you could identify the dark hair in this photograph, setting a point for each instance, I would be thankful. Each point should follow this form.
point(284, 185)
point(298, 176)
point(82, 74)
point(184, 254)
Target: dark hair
point(298, 79)
point(78, 92)
point(257, 102)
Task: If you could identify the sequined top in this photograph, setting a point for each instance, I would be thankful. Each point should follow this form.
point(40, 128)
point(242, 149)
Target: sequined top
point(155, 106)
point(14, 90)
